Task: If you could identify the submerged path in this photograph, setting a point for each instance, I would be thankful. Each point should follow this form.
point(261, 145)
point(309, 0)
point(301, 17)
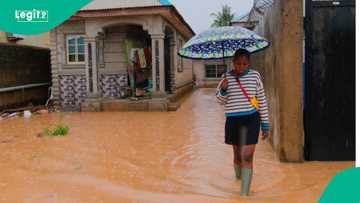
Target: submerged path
point(145, 157)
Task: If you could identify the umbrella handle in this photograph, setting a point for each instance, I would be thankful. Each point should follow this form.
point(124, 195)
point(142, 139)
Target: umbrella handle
point(223, 49)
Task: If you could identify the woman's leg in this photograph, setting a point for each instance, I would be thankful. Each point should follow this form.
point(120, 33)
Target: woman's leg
point(247, 156)
point(237, 161)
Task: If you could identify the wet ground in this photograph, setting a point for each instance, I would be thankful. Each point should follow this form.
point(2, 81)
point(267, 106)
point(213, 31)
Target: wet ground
point(144, 157)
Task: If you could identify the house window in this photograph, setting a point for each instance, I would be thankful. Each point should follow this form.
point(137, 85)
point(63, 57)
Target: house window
point(75, 49)
point(215, 71)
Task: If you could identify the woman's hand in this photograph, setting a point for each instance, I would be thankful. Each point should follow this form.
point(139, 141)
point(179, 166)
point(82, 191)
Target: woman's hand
point(264, 135)
point(225, 84)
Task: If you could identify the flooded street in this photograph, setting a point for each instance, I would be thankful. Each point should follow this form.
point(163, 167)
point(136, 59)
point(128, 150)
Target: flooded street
point(145, 157)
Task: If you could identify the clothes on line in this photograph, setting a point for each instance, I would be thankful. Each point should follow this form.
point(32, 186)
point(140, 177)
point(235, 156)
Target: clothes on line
point(139, 62)
point(140, 57)
point(147, 53)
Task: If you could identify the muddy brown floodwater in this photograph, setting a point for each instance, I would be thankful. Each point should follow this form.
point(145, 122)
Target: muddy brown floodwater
point(145, 157)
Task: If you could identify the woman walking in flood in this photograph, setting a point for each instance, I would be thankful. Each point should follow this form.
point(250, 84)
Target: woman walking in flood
point(242, 93)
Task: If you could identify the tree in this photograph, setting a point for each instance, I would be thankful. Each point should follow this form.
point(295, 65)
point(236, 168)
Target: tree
point(223, 18)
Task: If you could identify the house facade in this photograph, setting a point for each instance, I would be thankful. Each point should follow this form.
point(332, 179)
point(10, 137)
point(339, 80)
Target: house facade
point(99, 54)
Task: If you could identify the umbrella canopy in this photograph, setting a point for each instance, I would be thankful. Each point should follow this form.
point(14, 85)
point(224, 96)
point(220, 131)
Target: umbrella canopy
point(222, 42)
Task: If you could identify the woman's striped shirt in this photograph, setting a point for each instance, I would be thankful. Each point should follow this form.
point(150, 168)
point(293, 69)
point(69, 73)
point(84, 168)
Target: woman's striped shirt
point(236, 104)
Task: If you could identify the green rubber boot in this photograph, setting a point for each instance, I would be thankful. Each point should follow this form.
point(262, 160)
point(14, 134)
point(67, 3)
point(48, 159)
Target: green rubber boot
point(237, 170)
point(246, 175)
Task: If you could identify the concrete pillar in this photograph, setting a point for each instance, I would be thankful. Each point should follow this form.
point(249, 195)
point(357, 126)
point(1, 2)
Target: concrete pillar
point(100, 50)
point(91, 67)
point(173, 56)
point(158, 64)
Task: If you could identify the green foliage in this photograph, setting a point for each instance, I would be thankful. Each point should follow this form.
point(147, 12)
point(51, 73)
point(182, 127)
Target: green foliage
point(223, 18)
point(60, 130)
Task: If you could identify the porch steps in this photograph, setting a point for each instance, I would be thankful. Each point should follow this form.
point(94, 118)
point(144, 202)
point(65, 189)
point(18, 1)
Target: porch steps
point(151, 105)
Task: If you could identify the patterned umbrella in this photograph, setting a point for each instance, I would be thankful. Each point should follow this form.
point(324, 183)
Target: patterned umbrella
point(222, 42)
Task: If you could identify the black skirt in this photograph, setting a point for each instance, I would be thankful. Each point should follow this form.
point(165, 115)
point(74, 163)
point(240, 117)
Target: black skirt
point(242, 130)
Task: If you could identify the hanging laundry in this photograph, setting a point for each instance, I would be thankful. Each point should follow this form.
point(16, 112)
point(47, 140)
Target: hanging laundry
point(134, 57)
point(131, 78)
point(127, 50)
point(137, 59)
point(133, 54)
point(147, 52)
point(142, 58)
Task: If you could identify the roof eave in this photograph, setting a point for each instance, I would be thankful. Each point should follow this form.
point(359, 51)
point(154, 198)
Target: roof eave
point(168, 12)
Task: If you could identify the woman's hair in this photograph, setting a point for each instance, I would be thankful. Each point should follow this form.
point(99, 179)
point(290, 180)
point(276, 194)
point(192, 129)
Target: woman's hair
point(241, 52)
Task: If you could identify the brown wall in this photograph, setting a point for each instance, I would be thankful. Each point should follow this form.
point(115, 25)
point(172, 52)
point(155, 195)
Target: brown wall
point(280, 66)
point(184, 77)
point(22, 65)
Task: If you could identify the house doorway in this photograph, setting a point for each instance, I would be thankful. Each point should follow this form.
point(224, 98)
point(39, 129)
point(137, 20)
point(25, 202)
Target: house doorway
point(127, 65)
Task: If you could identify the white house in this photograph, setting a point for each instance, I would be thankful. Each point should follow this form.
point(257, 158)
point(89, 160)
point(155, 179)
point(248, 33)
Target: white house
point(103, 50)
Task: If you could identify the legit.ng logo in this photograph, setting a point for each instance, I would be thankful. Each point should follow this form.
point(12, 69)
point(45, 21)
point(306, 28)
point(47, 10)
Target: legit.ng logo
point(32, 16)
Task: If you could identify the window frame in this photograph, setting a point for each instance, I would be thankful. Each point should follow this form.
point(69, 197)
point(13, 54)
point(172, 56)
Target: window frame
point(218, 76)
point(76, 37)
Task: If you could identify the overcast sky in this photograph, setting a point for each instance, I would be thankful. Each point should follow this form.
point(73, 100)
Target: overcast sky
point(197, 12)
